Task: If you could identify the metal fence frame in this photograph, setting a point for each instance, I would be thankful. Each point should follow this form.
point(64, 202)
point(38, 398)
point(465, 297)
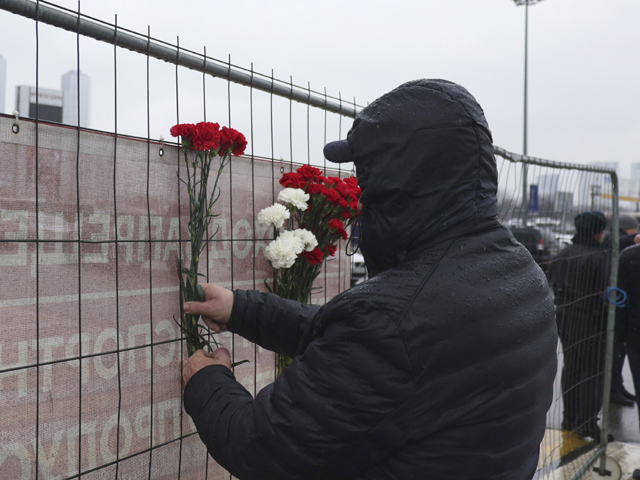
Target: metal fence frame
point(93, 28)
point(600, 453)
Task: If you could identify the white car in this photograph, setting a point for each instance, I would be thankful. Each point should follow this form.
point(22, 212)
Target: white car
point(358, 269)
point(563, 240)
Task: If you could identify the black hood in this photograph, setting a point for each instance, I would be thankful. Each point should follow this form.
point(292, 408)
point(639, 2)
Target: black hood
point(424, 160)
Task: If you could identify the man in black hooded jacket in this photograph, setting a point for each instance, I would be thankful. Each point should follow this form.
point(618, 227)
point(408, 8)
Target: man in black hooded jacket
point(440, 366)
point(580, 276)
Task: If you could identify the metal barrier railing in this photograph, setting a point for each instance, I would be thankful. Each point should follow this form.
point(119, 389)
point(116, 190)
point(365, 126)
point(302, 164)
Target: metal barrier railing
point(557, 193)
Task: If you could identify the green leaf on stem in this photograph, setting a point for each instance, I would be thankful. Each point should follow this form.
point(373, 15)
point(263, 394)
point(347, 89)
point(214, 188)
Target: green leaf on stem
point(235, 364)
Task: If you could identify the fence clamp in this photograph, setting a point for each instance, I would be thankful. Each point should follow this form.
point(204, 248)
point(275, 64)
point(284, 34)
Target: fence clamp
point(15, 128)
point(161, 151)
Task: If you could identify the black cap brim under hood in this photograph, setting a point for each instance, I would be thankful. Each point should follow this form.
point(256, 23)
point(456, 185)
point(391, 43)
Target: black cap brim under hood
point(424, 160)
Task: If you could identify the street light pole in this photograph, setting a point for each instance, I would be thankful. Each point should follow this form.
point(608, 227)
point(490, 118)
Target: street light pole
point(525, 191)
point(526, 73)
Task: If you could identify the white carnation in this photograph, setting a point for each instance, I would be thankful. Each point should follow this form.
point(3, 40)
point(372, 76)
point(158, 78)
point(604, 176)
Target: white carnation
point(274, 215)
point(284, 250)
point(294, 196)
point(309, 239)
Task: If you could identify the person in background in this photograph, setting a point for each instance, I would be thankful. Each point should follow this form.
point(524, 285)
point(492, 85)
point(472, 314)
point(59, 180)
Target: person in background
point(628, 231)
point(441, 365)
point(628, 317)
point(579, 275)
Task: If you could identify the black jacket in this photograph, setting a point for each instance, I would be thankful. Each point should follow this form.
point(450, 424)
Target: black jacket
point(440, 366)
point(580, 276)
point(625, 240)
point(629, 281)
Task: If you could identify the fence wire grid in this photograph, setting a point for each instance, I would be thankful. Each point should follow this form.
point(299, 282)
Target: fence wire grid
point(539, 200)
point(93, 221)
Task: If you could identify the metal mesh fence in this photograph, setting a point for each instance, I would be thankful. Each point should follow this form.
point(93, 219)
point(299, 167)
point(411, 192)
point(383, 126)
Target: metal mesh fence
point(539, 200)
point(89, 349)
point(92, 223)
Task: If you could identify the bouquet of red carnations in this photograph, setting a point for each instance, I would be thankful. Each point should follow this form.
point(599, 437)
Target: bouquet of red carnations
point(202, 143)
point(313, 216)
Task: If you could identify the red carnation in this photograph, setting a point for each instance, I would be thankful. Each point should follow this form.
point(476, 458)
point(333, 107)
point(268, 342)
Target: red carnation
point(314, 257)
point(342, 189)
point(206, 136)
point(336, 224)
point(314, 188)
point(352, 186)
point(309, 173)
point(330, 249)
point(332, 196)
point(331, 181)
point(183, 130)
point(293, 180)
point(231, 138)
point(351, 181)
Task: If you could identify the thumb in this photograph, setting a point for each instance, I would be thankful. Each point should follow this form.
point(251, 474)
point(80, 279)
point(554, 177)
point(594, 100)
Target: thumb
point(221, 353)
point(195, 308)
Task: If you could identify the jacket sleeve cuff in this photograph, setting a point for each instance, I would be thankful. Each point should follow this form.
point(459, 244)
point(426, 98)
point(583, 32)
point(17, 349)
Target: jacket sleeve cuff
point(207, 385)
point(211, 398)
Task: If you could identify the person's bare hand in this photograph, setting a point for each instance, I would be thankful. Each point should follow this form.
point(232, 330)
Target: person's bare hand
point(636, 239)
point(216, 309)
point(201, 359)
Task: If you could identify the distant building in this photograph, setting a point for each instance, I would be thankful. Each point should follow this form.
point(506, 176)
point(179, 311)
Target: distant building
point(3, 83)
point(612, 165)
point(635, 171)
point(71, 97)
point(548, 184)
point(59, 106)
point(42, 103)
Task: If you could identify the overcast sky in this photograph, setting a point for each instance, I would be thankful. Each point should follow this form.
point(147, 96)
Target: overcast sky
point(584, 57)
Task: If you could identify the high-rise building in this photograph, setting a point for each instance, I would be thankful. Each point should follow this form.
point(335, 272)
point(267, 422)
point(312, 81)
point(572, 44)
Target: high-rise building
point(71, 97)
point(42, 103)
point(3, 83)
point(57, 105)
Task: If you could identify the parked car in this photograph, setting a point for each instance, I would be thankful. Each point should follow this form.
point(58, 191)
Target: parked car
point(563, 240)
point(550, 238)
point(358, 269)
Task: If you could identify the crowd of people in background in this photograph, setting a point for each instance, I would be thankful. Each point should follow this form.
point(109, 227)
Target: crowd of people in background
point(580, 277)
